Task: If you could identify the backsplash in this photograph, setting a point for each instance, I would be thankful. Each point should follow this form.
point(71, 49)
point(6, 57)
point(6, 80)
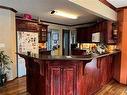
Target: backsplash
point(97, 48)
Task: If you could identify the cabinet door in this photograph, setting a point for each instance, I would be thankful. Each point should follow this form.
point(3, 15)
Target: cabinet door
point(69, 81)
point(61, 79)
point(107, 29)
point(92, 78)
point(43, 33)
point(110, 33)
point(26, 25)
point(106, 69)
point(103, 71)
point(110, 68)
point(54, 77)
point(84, 35)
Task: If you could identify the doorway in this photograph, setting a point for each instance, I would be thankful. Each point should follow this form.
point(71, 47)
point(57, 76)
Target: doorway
point(66, 41)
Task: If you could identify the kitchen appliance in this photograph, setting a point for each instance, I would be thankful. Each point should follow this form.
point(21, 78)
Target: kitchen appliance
point(26, 42)
point(96, 37)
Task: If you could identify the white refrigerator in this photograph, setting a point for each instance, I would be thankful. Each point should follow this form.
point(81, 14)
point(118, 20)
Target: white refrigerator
point(26, 41)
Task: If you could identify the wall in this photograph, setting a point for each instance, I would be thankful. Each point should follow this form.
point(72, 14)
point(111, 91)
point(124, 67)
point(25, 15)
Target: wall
point(8, 38)
point(122, 21)
point(60, 28)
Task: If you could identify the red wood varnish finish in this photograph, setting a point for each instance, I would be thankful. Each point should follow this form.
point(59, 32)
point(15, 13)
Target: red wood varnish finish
point(68, 77)
point(122, 21)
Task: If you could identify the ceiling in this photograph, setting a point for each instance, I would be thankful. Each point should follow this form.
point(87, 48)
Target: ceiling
point(42, 8)
point(118, 3)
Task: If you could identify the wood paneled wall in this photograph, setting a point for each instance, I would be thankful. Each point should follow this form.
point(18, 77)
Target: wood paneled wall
point(122, 21)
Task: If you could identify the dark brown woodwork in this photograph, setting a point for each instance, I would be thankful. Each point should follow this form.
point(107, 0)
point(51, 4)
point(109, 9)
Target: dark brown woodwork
point(43, 31)
point(122, 24)
point(26, 25)
point(8, 8)
point(92, 78)
point(44, 52)
point(68, 77)
point(78, 52)
point(62, 78)
point(84, 34)
point(32, 26)
point(117, 66)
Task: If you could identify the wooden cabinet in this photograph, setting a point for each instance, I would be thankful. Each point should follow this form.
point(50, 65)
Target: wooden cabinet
point(62, 79)
point(92, 77)
point(107, 33)
point(68, 76)
point(98, 72)
point(106, 69)
point(26, 25)
point(78, 52)
point(84, 35)
point(32, 26)
point(108, 29)
point(43, 30)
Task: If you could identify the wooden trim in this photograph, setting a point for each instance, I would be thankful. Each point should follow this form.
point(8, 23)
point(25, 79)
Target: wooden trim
point(32, 20)
point(8, 8)
point(84, 23)
point(54, 23)
point(108, 4)
point(121, 8)
point(35, 20)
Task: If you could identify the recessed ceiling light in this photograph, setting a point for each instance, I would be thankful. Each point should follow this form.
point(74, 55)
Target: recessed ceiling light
point(64, 14)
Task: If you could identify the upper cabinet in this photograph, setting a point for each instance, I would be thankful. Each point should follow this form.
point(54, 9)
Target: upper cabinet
point(43, 30)
point(107, 30)
point(26, 25)
point(32, 26)
point(110, 32)
point(84, 35)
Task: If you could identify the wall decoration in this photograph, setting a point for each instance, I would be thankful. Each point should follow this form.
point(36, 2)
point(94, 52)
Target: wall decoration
point(55, 36)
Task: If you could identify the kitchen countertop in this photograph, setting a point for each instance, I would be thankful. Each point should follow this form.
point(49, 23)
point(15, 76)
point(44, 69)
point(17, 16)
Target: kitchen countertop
point(71, 57)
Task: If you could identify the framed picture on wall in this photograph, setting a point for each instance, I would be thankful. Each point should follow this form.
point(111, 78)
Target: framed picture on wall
point(55, 36)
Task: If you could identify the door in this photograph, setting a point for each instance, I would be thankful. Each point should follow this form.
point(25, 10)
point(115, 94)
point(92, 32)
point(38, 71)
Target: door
point(66, 41)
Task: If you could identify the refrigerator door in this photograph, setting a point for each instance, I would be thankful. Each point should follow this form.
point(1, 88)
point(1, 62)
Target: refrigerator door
point(21, 67)
point(26, 41)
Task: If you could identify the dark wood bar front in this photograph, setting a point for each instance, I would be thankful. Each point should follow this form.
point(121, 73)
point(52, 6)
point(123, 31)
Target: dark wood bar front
point(65, 75)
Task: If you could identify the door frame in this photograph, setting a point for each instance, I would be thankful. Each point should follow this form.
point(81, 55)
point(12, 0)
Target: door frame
point(65, 30)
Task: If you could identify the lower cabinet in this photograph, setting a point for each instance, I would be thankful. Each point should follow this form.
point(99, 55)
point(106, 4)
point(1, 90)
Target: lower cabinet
point(68, 79)
point(92, 77)
point(98, 73)
point(62, 79)
point(106, 69)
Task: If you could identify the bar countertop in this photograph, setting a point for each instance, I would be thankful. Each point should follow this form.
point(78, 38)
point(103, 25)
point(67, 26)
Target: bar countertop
point(71, 57)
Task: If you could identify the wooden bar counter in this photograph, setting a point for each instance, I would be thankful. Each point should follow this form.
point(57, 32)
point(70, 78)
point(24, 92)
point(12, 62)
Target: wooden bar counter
point(65, 75)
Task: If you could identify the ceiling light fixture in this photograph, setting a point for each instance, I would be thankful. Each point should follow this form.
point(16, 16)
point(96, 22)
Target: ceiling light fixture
point(64, 14)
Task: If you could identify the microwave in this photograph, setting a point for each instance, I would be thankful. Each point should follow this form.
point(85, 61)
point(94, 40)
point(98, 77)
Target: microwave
point(96, 37)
